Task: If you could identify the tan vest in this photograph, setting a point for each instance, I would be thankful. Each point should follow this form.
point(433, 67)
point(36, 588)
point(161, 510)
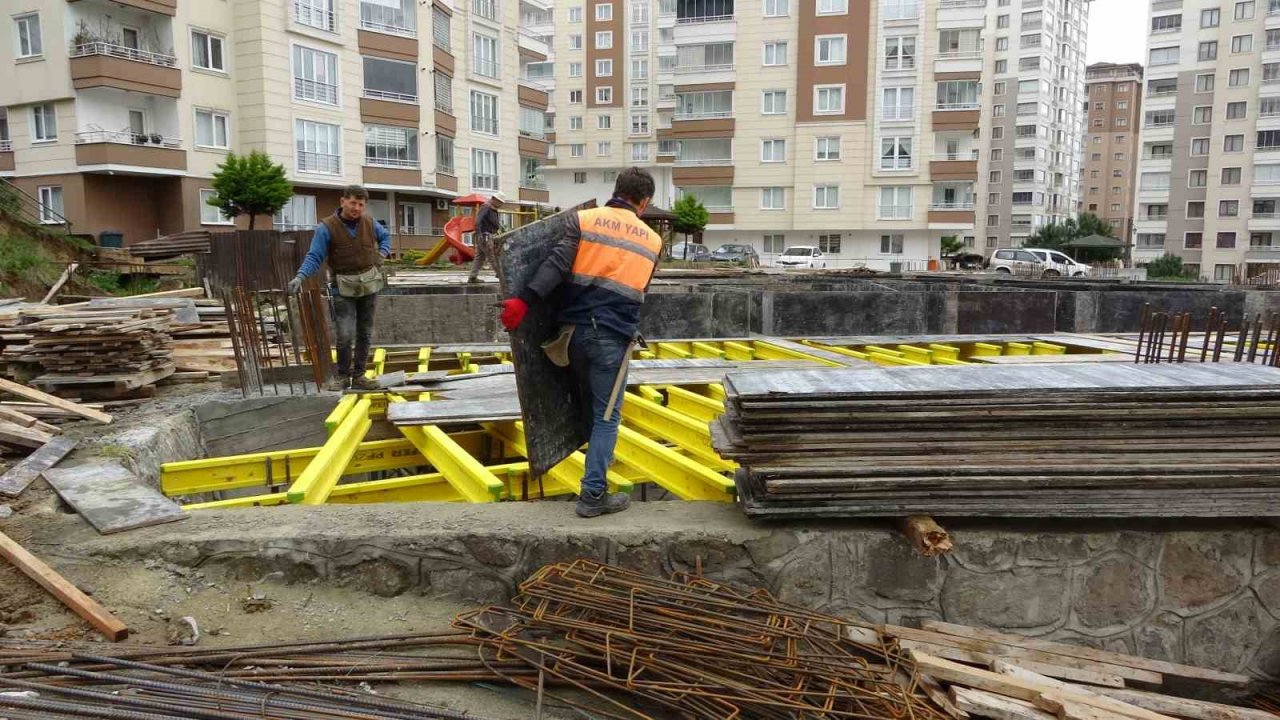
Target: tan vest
point(349, 255)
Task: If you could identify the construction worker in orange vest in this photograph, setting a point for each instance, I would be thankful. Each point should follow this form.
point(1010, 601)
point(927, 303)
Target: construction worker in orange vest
point(605, 262)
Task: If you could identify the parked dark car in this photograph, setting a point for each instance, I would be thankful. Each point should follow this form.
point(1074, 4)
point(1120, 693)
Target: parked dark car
point(735, 253)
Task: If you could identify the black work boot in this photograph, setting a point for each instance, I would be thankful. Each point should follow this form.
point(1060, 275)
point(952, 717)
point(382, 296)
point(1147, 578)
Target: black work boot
point(360, 382)
point(593, 505)
point(336, 383)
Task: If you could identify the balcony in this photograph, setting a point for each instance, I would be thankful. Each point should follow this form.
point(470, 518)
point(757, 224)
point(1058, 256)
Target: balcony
point(899, 10)
point(954, 166)
point(6, 156)
point(143, 150)
point(308, 15)
point(898, 113)
point(893, 212)
point(378, 106)
point(164, 7)
point(533, 44)
point(102, 64)
point(398, 172)
point(691, 69)
point(380, 18)
point(319, 163)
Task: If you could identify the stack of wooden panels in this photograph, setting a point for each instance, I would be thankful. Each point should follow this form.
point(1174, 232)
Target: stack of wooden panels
point(28, 426)
point(13, 340)
point(194, 241)
point(971, 672)
point(1045, 441)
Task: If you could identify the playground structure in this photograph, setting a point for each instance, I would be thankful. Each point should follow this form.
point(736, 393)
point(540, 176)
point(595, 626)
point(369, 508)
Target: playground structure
point(461, 224)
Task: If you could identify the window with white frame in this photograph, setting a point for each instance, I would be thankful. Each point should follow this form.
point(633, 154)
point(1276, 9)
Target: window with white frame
point(640, 152)
point(895, 153)
point(604, 68)
point(775, 243)
point(319, 147)
point(315, 75)
point(299, 213)
point(828, 99)
point(29, 41)
point(604, 148)
point(484, 113)
point(575, 122)
point(772, 198)
point(575, 14)
point(487, 9)
point(640, 96)
point(776, 8)
point(604, 12)
point(604, 122)
point(829, 244)
point(484, 55)
point(390, 146)
point(895, 203)
point(827, 148)
point(833, 7)
point(578, 150)
point(604, 40)
point(50, 197)
point(899, 103)
point(579, 178)
point(639, 13)
point(575, 42)
point(829, 50)
point(211, 214)
point(318, 14)
point(773, 102)
point(575, 69)
point(900, 53)
point(639, 41)
point(604, 96)
point(211, 129)
point(1163, 56)
point(640, 123)
point(891, 244)
point(958, 94)
point(444, 91)
point(775, 53)
point(826, 197)
point(773, 151)
point(207, 51)
point(444, 154)
point(640, 69)
point(484, 170)
point(44, 123)
point(575, 97)
point(390, 80)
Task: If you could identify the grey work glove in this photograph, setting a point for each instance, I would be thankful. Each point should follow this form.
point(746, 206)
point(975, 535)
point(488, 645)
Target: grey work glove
point(295, 285)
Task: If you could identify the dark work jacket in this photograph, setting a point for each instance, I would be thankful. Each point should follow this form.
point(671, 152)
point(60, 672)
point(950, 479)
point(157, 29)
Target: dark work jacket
point(487, 220)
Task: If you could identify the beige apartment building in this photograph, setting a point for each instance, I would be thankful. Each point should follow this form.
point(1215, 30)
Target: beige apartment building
point(1209, 174)
point(867, 129)
point(117, 112)
point(1113, 93)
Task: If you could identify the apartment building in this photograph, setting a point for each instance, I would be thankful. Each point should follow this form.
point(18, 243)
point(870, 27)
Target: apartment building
point(1209, 174)
point(118, 112)
point(1113, 96)
point(870, 130)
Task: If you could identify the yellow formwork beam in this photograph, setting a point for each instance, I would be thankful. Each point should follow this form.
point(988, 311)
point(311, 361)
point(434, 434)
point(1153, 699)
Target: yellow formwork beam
point(765, 350)
point(465, 473)
point(920, 355)
point(567, 474)
point(673, 351)
point(690, 435)
point(739, 351)
point(339, 412)
point(1044, 348)
point(981, 349)
point(424, 359)
point(650, 393)
point(1017, 348)
point(316, 482)
point(684, 477)
point(947, 352)
point(847, 352)
point(707, 350)
point(715, 391)
point(693, 405)
point(378, 364)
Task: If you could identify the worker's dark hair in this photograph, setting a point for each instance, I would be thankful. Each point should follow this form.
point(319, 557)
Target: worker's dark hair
point(355, 192)
point(635, 185)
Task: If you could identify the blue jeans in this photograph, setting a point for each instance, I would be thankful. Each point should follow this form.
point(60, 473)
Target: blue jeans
point(353, 325)
point(595, 354)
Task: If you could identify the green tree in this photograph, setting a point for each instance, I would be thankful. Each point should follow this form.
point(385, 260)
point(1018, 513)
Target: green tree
point(1167, 266)
point(951, 245)
point(1089, 224)
point(1055, 236)
point(250, 185)
point(691, 215)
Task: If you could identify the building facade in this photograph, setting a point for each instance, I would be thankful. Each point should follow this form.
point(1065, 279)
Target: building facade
point(1209, 173)
point(870, 129)
point(118, 112)
point(1113, 95)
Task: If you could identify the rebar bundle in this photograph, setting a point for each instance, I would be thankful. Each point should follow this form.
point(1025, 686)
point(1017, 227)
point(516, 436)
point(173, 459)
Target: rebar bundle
point(279, 338)
point(692, 646)
point(1164, 338)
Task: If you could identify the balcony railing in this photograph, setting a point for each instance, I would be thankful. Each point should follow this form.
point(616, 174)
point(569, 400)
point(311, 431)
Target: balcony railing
point(127, 138)
point(894, 212)
point(391, 162)
point(392, 96)
point(960, 55)
point(1162, 93)
point(703, 19)
point(703, 115)
point(124, 53)
point(687, 69)
point(314, 162)
point(535, 134)
point(316, 91)
point(384, 20)
point(533, 184)
point(898, 112)
point(1167, 30)
point(900, 11)
point(1267, 148)
point(957, 205)
point(486, 68)
point(414, 230)
point(1264, 215)
point(703, 161)
point(962, 155)
point(304, 13)
point(948, 4)
point(6, 146)
point(1159, 124)
point(958, 106)
point(543, 84)
point(1166, 4)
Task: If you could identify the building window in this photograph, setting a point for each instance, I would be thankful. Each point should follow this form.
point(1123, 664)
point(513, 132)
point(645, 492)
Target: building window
point(828, 99)
point(1241, 43)
point(1244, 10)
point(484, 56)
point(210, 214)
point(1237, 110)
point(604, 122)
point(775, 53)
point(1207, 52)
point(575, 14)
point(1192, 240)
point(829, 244)
point(484, 113)
point(639, 13)
point(1226, 241)
point(51, 210)
point(829, 50)
point(206, 51)
point(29, 43)
point(1002, 67)
point(604, 12)
point(1238, 78)
point(827, 148)
point(640, 151)
point(484, 170)
point(891, 244)
point(1268, 140)
point(444, 92)
point(318, 14)
point(575, 42)
point(211, 129)
point(1199, 147)
point(1204, 83)
point(772, 198)
point(640, 124)
point(899, 53)
point(1195, 210)
point(444, 154)
point(319, 147)
point(773, 151)
point(579, 178)
point(315, 75)
point(604, 148)
point(575, 69)
point(441, 30)
point(299, 213)
point(1233, 143)
point(388, 146)
point(44, 123)
point(826, 197)
point(1230, 176)
point(895, 153)
point(575, 122)
point(776, 8)
point(640, 69)
point(1228, 208)
point(773, 102)
point(578, 150)
point(390, 80)
point(775, 243)
point(895, 203)
point(604, 96)
point(1210, 18)
point(604, 68)
point(604, 40)
point(833, 7)
point(1202, 115)
point(899, 103)
point(1198, 178)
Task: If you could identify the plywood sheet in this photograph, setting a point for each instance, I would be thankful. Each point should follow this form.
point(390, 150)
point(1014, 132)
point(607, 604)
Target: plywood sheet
point(111, 498)
point(18, 477)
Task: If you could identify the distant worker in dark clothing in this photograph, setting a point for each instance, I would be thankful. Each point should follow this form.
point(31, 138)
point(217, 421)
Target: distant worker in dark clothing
point(604, 262)
point(355, 247)
point(488, 224)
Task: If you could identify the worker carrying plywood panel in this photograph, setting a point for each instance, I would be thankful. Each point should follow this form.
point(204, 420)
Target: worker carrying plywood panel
point(602, 267)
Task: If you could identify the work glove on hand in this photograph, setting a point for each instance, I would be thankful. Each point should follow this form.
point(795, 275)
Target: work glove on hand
point(513, 312)
point(295, 285)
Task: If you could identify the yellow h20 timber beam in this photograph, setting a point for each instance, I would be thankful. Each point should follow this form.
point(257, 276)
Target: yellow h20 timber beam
point(765, 350)
point(566, 475)
point(466, 474)
point(738, 351)
point(316, 482)
point(684, 477)
point(379, 362)
point(686, 433)
point(424, 359)
point(339, 412)
point(693, 405)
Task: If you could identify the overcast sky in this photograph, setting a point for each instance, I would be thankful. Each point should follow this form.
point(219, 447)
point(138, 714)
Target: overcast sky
point(1117, 31)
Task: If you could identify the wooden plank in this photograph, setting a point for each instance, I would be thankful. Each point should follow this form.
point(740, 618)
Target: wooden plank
point(110, 497)
point(997, 707)
point(86, 607)
point(30, 393)
point(974, 657)
point(22, 419)
point(17, 478)
point(62, 280)
point(1183, 707)
point(18, 436)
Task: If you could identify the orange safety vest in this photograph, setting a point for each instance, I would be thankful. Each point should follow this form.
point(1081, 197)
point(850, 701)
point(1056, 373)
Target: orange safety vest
point(617, 252)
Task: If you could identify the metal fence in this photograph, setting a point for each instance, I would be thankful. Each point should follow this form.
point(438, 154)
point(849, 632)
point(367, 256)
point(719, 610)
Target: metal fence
point(252, 260)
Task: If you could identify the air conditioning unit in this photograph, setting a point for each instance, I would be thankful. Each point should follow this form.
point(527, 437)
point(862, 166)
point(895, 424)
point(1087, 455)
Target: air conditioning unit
point(442, 204)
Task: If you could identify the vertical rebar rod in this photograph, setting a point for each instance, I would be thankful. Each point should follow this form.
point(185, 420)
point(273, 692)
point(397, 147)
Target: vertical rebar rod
point(1142, 331)
point(1208, 332)
point(1222, 336)
point(1244, 337)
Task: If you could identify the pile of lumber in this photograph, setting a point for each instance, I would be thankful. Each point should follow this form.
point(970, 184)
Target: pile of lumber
point(29, 425)
point(1110, 440)
point(192, 241)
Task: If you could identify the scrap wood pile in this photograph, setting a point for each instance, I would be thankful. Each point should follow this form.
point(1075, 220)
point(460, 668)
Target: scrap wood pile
point(29, 427)
point(622, 645)
point(1071, 440)
point(191, 241)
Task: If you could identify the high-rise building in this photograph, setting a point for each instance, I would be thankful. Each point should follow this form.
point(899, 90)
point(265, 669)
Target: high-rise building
point(1113, 94)
point(117, 112)
point(868, 129)
point(1210, 140)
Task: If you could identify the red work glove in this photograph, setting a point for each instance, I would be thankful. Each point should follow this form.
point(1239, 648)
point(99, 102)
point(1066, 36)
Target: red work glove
point(513, 312)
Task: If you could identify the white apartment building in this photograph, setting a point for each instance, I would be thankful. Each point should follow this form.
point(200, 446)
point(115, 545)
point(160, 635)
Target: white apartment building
point(870, 130)
point(1209, 173)
point(117, 112)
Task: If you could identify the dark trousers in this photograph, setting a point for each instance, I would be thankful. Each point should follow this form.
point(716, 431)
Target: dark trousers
point(353, 323)
point(484, 254)
point(595, 354)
